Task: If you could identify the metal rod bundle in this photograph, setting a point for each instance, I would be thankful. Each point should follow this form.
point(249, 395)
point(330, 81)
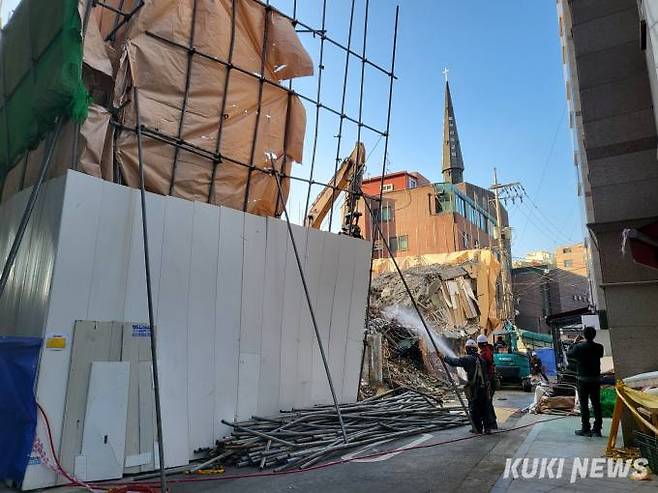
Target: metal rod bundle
point(300, 438)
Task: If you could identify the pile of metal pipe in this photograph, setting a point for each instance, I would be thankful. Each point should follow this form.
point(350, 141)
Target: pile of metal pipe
point(300, 438)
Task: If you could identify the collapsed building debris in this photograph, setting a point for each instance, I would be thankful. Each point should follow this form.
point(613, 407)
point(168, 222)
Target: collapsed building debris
point(406, 362)
point(444, 294)
point(302, 437)
point(479, 270)
point(453, 301)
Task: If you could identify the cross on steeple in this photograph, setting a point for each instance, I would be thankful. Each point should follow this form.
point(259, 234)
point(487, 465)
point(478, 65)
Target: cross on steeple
point(445, 73)
point(453, 163)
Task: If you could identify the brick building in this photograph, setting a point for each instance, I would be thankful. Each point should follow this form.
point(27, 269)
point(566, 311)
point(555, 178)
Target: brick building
point(419, 217)
point(543, 290)
point(572, 258)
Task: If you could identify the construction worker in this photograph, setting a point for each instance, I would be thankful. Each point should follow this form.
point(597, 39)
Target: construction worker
point(487, 355)
point(476, 387)
point(537, 367)
point(500, 346)
point(587, 356)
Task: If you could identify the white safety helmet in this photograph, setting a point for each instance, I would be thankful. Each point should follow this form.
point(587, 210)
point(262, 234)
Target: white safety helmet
point(482, 339)
point(534, 354)
point(471, 343)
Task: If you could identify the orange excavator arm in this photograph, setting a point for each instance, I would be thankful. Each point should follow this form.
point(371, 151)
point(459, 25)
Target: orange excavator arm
point(351, 169)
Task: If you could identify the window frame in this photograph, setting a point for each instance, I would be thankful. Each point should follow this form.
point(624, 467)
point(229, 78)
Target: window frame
point(395, 243)
point(386, 214)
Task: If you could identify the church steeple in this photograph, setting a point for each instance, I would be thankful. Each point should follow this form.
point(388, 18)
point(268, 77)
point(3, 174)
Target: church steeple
point(453, 164)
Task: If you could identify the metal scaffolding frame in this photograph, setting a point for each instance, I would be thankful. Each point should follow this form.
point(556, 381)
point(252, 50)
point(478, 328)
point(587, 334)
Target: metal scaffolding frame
point(178, 142)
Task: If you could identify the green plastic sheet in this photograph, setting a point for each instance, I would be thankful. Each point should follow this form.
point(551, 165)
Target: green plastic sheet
point(41, 65)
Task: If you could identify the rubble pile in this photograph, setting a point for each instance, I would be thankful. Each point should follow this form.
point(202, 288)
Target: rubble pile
point(405, 361)
point(444, 294)
point(445, 297)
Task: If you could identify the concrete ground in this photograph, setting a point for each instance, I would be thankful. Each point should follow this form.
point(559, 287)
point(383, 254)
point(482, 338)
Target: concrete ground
point(452, 460)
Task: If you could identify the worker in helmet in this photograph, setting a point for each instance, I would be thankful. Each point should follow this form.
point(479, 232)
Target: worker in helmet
point(476, 386)
point(487, 355)
point(537, 367)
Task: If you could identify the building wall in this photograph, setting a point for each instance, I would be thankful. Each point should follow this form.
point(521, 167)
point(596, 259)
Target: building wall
point(531, 287)
point(399, 181)
point(544, 290)
point(573, 290)
point(426, 232)
point(572, 258)
point(613, 115)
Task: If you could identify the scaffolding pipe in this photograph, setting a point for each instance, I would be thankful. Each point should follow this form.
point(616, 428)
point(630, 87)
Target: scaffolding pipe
point(149, 297)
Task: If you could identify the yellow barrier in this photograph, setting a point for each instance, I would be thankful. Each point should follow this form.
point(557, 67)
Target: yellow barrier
point(639, 398)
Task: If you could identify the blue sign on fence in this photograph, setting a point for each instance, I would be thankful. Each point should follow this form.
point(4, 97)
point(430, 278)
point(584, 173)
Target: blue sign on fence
point(141, 331)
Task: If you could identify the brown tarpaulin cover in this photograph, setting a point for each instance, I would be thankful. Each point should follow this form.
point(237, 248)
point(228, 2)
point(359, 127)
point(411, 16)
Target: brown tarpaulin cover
point(158, 69)
point(92, 142)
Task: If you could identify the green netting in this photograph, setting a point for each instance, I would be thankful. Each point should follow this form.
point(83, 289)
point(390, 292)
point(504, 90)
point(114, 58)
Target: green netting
point(41, 60)
point(608, 400)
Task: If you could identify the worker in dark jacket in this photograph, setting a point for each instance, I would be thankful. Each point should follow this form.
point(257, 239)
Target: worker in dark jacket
point(487, 355)
point(476, 388)
point(587, 356)
point(537, 367)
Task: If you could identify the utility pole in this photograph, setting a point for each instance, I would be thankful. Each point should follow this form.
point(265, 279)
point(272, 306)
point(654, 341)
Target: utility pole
point(508, 191)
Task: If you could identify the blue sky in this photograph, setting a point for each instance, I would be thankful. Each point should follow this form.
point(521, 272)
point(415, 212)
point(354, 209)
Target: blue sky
point(508, 91)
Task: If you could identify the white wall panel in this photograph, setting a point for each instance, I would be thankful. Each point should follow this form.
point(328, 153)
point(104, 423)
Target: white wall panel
point(340, 314)
point(202, 298)
point(112, 245)
point(135, 308)
point(69, 299)
point(324, 301)
point(272, 316)
point(172, 328)
point(354, 346)
point(235, 332)
point(253, 279)
point(293, 303)
point(104, 436)
point(229, 312)
point(307, 346)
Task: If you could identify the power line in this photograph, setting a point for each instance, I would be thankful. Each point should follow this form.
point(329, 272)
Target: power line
point(548, 160)
point(545, 217)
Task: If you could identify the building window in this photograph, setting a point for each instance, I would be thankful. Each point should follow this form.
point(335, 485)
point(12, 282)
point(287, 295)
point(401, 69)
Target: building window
point(399, 243)
point(388, 187)
point(460, 205)
point(413, 183)
point(566, 250)
point(387, 213)
point(568, 263)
